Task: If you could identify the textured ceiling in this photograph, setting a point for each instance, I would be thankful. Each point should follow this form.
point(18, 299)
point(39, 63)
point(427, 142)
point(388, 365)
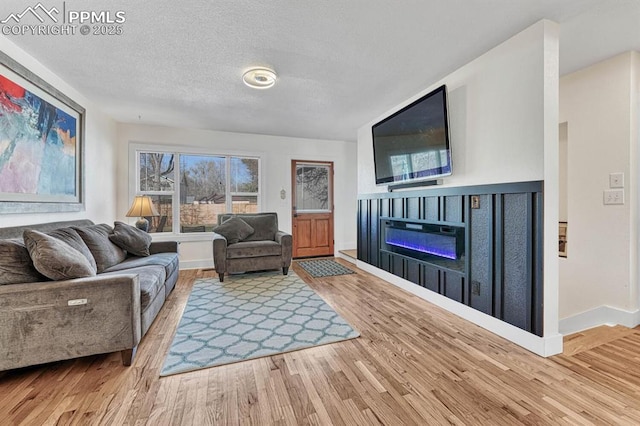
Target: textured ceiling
point(340, 63)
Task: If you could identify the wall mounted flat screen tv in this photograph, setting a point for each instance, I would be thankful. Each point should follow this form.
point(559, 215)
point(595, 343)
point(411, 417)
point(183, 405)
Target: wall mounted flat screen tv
point(413, 144)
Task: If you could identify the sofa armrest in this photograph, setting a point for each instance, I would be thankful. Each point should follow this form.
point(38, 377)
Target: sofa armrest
point(286, 241)
point(56, 320)
point(163, 247)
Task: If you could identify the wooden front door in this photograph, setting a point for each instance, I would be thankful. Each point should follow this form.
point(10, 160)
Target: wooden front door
point(312, 208)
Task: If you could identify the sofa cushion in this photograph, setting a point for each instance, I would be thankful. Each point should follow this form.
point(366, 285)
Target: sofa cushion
point(16, 265)
point(71, 237)
point(56, 259)
point(15, 232)
point(167, 260)
point(234, 230)
point(151, 282)
point(245, 249)
point(131, 239)
point(96, 237)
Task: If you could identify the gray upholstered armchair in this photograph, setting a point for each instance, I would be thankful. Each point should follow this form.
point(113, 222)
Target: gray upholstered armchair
point(250, 242)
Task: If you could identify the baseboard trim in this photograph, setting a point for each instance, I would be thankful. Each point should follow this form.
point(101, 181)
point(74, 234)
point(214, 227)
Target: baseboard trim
point(602, 315)
point(196, 264)
point(543, 346)
point(346, 257)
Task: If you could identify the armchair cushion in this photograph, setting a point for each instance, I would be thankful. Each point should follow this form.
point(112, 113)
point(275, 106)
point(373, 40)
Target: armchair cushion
point(246, 249)
point(234, 230)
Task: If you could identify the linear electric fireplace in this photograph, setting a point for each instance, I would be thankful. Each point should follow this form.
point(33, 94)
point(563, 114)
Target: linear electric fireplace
point(419, 239)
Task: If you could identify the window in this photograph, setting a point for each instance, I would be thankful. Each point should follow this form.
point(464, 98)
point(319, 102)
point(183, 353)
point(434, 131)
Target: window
point(189, 190)
point(244, 185)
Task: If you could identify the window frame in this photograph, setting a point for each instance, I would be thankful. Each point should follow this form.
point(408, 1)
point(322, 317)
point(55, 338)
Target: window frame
point(136, 148)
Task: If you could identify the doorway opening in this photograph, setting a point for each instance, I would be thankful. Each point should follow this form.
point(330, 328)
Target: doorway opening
point(312, 208)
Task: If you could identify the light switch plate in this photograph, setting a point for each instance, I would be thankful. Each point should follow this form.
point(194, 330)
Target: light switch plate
point(613, 196)
point(616, 180)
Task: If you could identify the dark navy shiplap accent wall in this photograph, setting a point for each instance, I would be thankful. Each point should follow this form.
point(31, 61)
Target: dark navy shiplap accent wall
point(481, 273)
point(500, 272)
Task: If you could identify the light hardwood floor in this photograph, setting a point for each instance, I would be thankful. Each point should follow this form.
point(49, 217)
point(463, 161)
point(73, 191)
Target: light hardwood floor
point(414, 364)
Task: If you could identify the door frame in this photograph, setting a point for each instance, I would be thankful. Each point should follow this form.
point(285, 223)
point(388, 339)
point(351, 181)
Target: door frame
point(331, 207)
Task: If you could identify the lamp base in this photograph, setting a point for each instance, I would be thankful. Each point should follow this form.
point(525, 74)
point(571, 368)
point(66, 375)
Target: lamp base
point(143, 224)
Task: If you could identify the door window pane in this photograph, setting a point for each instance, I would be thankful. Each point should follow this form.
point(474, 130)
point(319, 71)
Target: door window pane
point(156, 171)
point(202, 191)
point(312, 188)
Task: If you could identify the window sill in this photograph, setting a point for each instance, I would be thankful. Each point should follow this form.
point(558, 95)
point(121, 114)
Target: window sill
point(183, 238)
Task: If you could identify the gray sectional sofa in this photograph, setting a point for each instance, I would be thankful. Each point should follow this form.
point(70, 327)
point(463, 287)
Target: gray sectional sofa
point(44, 320)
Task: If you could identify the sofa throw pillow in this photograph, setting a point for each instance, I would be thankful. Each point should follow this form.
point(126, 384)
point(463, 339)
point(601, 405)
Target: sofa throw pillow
point(234, 230)
point(130, 238)
point(71, 237)
point(96, 237)
point(16, 265)
point(56, 259)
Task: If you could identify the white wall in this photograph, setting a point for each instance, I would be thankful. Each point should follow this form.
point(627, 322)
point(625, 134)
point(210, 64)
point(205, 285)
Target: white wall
point(276, 153)
point(496, 108)
point(598, 279)
point(503, 112)
point(100, 156)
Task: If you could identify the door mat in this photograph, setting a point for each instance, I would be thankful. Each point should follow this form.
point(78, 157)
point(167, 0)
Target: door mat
point(324, 268)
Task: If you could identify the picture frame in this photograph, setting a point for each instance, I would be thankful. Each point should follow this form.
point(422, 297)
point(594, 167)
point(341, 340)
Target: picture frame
point(562, 239)
point(42, 134)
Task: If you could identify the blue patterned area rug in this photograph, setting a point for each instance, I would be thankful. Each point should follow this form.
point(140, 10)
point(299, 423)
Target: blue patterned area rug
point(324, 268)
point(250, 316)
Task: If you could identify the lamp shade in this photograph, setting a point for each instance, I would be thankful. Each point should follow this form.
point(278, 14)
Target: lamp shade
point(142, 206)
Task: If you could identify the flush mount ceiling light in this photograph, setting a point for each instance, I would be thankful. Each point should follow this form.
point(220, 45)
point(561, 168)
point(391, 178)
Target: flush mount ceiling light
point(259, 78)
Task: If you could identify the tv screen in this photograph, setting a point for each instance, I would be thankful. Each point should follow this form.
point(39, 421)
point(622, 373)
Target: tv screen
point(413, 143)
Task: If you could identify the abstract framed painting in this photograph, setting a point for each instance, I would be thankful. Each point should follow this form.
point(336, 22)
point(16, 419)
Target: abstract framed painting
point(41, 144)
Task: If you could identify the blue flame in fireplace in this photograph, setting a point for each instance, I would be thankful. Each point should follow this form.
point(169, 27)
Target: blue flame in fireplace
point(445, 247)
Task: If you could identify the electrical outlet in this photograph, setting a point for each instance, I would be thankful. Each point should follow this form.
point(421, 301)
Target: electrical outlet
point(475, 201)
point(613, 196)
point(616, 180)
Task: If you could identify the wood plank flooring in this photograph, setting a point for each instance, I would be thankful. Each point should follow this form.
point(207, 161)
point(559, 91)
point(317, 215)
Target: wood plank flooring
point(414, 364)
